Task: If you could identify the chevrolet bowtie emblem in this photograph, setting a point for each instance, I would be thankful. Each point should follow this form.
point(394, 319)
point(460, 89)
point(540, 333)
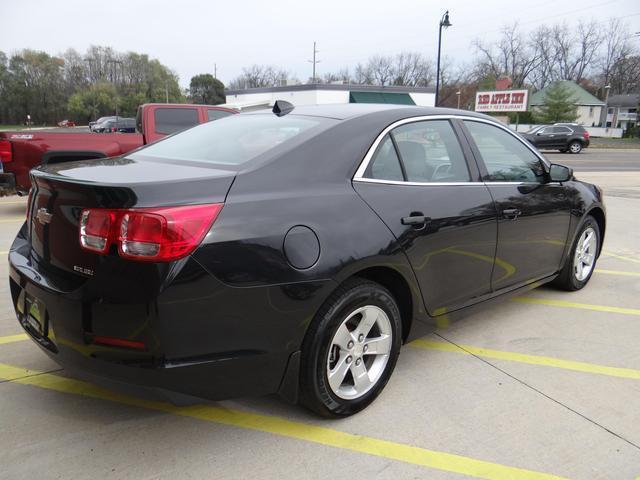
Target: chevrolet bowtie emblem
point(43, 216)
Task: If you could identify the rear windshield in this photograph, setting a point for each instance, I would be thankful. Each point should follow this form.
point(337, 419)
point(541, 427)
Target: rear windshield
point(236, 139)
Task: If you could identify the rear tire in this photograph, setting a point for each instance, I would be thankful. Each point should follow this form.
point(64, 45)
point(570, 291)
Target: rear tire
point(581, 260)
point(575, 147)
point(350, 349)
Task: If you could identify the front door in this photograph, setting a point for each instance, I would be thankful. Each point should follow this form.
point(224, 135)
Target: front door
point(545, 138)
point(533, 213)
point(419, 183)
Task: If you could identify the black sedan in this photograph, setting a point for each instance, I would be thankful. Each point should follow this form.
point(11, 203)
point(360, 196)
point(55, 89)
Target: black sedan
point(292, 251)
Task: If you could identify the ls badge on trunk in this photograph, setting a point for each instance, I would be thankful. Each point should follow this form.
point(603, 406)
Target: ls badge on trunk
point(43, 216)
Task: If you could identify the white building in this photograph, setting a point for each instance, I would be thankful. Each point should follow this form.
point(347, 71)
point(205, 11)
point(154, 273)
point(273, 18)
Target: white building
point(588, 107)
point(320, 93)
point(622, 111)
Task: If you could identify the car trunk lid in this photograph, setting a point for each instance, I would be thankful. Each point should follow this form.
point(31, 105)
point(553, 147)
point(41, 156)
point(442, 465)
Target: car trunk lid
point(61, 192)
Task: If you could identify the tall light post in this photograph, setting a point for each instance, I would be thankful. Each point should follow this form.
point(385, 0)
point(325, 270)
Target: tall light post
point(444, 22)
point(458, 93)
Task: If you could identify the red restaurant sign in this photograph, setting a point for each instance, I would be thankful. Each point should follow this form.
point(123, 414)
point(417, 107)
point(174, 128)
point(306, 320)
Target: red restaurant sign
point(502, 101)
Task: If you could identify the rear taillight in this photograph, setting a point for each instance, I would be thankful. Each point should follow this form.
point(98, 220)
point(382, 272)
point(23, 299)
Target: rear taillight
point(95, 229)
point(585, 134)
point(6, 154)
point(149, 234)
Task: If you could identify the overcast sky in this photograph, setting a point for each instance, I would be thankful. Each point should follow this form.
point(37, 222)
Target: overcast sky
point(190, 36)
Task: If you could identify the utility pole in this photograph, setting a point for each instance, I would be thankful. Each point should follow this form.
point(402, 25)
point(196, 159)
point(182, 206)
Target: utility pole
point(166, 91)
point(215, 70)
point(314, 61)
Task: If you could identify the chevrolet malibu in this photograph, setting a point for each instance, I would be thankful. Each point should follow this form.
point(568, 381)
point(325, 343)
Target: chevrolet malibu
point(292, 251)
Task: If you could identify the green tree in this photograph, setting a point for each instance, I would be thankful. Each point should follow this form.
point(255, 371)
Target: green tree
point(96, 101)
point(206, 89)
point(559, 105)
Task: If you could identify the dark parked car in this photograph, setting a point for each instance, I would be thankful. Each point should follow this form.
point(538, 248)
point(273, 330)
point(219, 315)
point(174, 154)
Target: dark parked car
point(293, 251)
point(99, 121)
point(116, 125)
point(566, 137)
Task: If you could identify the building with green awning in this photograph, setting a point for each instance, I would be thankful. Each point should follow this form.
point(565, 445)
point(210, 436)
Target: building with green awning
point(323, 93)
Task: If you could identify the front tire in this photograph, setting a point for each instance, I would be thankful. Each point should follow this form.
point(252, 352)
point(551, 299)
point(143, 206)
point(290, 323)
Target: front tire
point(350, 350)
point(575, 147)
point(581, 262)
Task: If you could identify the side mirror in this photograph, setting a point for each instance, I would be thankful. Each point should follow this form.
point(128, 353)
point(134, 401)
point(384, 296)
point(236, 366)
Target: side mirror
point(560, 173)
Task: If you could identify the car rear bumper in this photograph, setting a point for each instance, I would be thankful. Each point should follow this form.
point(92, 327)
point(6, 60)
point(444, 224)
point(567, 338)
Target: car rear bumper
point(200, 339)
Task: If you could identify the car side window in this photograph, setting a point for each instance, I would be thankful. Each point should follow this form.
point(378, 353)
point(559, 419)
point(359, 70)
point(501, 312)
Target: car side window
point(385, 164)
point(172, 120)
point(506, 158)
point(562, 130)
point(430, 152)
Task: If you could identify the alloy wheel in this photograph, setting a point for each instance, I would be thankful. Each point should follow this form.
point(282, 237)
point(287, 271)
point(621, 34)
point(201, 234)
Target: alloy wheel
point(359, 352)
point(585, 254)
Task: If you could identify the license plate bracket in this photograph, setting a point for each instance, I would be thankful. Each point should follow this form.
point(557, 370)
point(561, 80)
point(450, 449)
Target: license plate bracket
point(34, 315)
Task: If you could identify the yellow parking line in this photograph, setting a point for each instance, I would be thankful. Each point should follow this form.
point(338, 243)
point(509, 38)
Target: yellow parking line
point(18, 202)
point(285, 428)
point(583, 306)
point(12, 220)
point(622, 257)
point(530, 359)
point(618, 272)
point(13, 338)
point(3, 253)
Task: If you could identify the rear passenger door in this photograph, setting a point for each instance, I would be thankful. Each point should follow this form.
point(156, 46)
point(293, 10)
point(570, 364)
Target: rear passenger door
point(418, 180)
point(533, 213)
point(561, 136)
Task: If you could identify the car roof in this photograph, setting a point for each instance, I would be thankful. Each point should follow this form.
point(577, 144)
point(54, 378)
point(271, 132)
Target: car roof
point(346, 111)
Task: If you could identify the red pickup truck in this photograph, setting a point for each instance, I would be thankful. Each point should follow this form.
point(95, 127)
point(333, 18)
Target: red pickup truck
point(23, 150)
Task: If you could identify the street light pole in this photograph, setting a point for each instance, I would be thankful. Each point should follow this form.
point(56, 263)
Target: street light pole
point(444, 22)
point(458, 93)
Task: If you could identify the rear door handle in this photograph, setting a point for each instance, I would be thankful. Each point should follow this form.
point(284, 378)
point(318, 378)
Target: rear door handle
point(415, 220)
point(511, 213)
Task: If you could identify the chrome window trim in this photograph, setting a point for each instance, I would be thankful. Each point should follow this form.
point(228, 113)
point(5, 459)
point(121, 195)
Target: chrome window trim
point(359, 175)
point(417, 184)
point(440, 184)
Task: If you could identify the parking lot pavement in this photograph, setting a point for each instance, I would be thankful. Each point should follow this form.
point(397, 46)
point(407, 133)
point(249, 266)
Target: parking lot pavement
point(544, 386)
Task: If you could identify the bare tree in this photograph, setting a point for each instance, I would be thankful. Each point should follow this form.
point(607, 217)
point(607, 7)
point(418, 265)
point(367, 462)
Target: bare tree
point(615, 49)
point(412, 69)
point(511, 56)
point(257, 76)
point(542, 40)
point(575, 52)
point(381, 68)
point(343, 76)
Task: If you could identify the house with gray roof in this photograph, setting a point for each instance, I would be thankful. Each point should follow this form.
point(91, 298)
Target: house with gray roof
point(622, 110)
point(589, 107)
